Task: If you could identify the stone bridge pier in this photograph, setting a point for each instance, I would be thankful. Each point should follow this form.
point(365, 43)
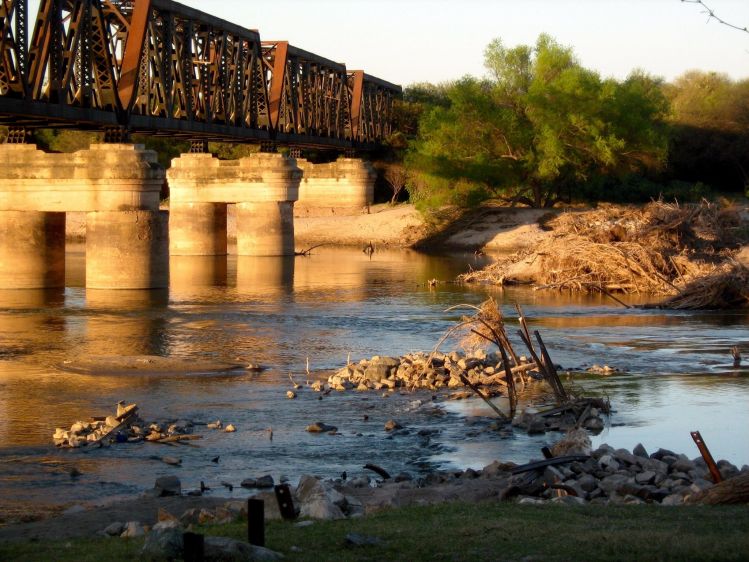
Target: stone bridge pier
point(264, 187)
point(345, 186)
point(118, 187)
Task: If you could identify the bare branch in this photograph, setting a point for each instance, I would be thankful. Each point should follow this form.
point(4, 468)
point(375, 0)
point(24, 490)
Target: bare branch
point(711, 15)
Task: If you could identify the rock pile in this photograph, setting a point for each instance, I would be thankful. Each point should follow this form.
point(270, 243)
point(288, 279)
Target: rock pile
point(416, 371)
point(126, 426)
point(165, 540)
point(608, 475)
point(96, 430)
point(587, 413)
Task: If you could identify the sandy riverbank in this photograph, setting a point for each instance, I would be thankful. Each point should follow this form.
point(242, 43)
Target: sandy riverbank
point(493, 229)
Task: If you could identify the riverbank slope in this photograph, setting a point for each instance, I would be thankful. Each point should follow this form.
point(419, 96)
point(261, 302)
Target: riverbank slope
point(490, 228)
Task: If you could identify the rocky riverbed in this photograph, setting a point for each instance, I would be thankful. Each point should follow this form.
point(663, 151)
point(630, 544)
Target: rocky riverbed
point(581, 476)
point(464, 375)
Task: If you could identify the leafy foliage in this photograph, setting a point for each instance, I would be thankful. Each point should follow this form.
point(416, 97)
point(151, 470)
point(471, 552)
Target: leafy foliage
point(710, 121)
point(539, 124)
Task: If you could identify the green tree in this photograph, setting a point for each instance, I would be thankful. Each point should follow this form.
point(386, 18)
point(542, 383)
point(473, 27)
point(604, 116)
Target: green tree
point(540, 124)
point(710, 122)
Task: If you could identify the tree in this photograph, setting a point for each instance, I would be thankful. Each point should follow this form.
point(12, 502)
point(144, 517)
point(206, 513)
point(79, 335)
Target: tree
point(396, 176)
point(540, 124)
point(710, 122)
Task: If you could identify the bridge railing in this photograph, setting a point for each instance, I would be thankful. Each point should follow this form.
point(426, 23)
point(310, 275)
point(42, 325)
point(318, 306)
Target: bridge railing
point(160, 67)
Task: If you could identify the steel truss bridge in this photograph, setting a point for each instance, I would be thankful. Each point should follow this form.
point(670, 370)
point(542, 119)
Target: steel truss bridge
point(162, 68)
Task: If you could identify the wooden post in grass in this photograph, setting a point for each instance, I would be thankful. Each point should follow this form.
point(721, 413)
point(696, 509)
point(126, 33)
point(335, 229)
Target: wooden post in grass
point(256, 522)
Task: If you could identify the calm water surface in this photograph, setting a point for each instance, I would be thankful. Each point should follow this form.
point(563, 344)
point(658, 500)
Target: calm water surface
point(336, 303)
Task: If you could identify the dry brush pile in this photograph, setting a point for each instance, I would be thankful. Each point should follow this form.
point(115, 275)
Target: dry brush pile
point(684, 252)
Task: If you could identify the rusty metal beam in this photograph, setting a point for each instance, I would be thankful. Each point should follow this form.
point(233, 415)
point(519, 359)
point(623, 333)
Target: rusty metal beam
point(357, 88)
point(278, 81)
point(131, 59)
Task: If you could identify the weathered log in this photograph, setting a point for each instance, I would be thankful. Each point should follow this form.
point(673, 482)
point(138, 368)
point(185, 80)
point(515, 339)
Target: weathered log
point(732, 491)
point(378, 469)
point(177, 438)
point(480, 394)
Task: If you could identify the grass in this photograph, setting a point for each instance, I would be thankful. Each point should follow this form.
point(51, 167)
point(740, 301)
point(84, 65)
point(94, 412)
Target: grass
point(489, 531)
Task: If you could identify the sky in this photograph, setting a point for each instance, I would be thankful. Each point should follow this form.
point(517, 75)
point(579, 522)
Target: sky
point(409, 41)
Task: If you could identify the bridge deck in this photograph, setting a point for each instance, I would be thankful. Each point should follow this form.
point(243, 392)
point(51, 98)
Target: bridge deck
point(159, 67)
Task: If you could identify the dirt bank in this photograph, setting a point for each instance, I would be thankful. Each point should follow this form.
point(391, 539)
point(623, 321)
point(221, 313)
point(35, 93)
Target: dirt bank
point(492, 229)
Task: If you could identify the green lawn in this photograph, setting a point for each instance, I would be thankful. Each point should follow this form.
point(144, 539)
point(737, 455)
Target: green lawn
point(490, 531)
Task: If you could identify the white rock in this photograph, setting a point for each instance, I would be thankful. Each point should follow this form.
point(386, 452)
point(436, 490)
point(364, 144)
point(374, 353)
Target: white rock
point(133, 529)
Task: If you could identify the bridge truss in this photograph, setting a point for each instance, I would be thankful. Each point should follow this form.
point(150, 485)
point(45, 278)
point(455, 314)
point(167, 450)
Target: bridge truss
point(159, 67)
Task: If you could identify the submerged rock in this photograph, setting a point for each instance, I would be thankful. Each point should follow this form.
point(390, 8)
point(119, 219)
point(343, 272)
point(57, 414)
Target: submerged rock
point(168, 486)
point(321, 427)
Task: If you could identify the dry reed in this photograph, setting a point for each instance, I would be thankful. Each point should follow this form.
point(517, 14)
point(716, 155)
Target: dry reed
point(659, 249)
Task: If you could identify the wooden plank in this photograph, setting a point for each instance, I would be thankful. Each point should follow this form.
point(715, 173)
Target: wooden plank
point(548, 462)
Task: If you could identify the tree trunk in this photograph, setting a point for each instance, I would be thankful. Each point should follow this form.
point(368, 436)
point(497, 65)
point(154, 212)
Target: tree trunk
point(732, 491)
point(538, 199)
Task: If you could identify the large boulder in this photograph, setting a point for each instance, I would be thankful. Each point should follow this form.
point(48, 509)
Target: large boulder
point(132, 530)
point(225, 549)
point(319, 500)
point(163, 544)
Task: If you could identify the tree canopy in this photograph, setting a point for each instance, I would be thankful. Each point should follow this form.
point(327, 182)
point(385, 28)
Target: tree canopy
point(538, 124)
point(709, 118)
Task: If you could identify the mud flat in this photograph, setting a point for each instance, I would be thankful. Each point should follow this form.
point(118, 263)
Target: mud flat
point(143, 365)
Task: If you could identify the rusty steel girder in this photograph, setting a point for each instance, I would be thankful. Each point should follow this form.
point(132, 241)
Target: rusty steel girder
point(371, 107)
point(308, 93)
point(13, 49)
point(159, 67)
point(194, 68)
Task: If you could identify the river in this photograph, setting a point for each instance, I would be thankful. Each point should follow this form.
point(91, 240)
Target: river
point(326, 308)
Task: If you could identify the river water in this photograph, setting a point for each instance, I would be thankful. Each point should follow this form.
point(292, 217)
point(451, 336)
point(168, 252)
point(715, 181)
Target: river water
point(326, 308)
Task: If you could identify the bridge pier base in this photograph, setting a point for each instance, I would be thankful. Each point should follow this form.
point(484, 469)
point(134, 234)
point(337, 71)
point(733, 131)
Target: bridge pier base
point(117, 185)
point(197, 229)
point(127, 250)
point(265, 229)
point(263, 186)
point(32, 250)
point(345, 186)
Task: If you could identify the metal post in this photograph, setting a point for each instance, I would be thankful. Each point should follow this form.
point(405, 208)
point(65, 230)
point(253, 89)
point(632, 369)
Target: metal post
point(285, 502)
point(194, 547)
point(707, 456)
point(256, 522)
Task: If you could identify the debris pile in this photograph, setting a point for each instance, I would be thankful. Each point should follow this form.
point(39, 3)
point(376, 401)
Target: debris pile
point(126, 426)
point(432, 372)
point(480, 373)
point(97, 431)
point(659, 249)
point(727, 287)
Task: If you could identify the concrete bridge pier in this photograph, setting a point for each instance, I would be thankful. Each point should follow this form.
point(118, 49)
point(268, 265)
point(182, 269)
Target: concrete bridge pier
point(32, 250)
point(117, 185)
point(345, 186)
point(265, 228)
point(127, 250)
point(263, 186)
point(197, 229)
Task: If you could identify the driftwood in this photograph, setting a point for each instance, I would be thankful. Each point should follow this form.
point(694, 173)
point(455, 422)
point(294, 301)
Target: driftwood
point(556, 461)
point(481, 395)
point(177, 438)
point(732, 491)
point(124, 420)
point(378, 469)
